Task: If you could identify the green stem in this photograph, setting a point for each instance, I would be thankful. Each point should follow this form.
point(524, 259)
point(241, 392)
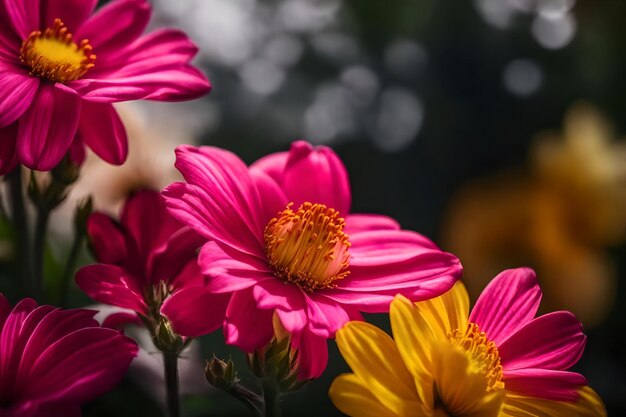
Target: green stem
point(248, 398)
point(20, 227)
point(170, 364)
point(271, 398)
point(70, 266)
point(41, 228)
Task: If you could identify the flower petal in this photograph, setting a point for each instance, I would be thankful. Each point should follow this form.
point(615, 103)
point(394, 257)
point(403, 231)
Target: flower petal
point(316, 175)
point(194, 311)
point(17, 92)
point(447, 312)
point(312, 354)
point(414, 339)
point(106, 239)
point(220, 201)
point(72, 12)
point(372, 288)
point(509, 301)
point(167, 84)
point(353, 397)
point(81, 366)
point(111, 285)
point(101, 129)
point(24, 15)
point(325, 316)
point(544, 383)
point(115, 26)
point(272, 165)
point(367, 222)
point(247, 326)
point(47, 128)
point(383, 247)
point(373, 357)
point(588, 404)
point(553, 341)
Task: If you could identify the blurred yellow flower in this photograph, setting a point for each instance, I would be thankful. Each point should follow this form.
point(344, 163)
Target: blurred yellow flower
point(558, 216)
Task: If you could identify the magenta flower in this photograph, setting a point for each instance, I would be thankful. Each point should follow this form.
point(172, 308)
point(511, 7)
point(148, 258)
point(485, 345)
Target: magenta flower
point(144, 259)
point(61, 67)
point(53, 360)
point(497, 361)
point(282, 240)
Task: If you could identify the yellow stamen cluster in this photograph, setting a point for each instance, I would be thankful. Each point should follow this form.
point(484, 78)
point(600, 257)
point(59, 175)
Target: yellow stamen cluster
point(53, 55)
point(308, 246)
point(483, 352)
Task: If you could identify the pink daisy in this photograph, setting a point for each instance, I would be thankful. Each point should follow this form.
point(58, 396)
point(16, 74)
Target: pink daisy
point(282, 241)
point(144, 258)
point(53, 360)
point(61, 67)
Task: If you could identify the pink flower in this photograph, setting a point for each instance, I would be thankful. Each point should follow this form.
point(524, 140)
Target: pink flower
point(282, 240)
point(497, 361)
point(53, 360)
point(61, 67)
point(144, 259)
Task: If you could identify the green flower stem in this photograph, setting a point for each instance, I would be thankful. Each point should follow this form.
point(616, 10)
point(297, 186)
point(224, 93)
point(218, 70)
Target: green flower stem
point(21, 230)
point(271, 398)
point(39, 243)
point(170, 364)
point(70, 266)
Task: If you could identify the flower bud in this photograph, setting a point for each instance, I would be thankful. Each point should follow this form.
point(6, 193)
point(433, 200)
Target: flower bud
point(220, 374)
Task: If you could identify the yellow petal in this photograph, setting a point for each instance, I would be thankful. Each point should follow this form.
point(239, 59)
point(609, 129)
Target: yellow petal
point(414, 339)
point(374, 358)
point(352, 397)
point(461, 387)
point(448, 311)
point(588, 405)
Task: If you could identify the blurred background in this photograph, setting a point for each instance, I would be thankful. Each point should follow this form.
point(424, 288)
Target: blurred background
point(495, 127)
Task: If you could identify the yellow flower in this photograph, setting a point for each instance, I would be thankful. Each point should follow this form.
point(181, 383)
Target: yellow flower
point(442, 363)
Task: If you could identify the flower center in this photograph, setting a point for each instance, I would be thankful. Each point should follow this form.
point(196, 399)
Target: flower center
point(53, 54)
point(308, 247)
point(482, 352)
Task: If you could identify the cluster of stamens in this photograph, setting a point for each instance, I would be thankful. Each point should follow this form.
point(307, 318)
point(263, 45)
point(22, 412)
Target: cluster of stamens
point(53, 54)
point(308, 246)
point(482, 351)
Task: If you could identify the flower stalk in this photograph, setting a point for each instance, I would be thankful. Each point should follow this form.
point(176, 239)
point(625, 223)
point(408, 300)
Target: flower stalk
point(172, 385)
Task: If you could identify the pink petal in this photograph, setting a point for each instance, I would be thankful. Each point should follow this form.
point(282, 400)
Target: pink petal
point(106, 239)
point(509, 302)
point(312, 354)
point(47, 128)
point(220, 201)
point(274, 293)
point(24, 15)
point(17, 92)
point(226, 274)
point(553, 341)
point(141, 213)
point(115, 26)
point(8, 159)
point(180, 83)
point(81, 366)
point(111, 285)
point(294, 321)
point(371, 289)
point(5, 309)
point(117, 321)
point(544, 383)
point(169, 260)
point(272, 197)
point(102, 130)
point(325, 315)
point(194, 311)
point(381, 247)
point(10, 41)
point(77, 152)
point(272, 165)
point(316, 175)
point(247, 326)
point(72, 12)
point(367, 222)
point(158, 50)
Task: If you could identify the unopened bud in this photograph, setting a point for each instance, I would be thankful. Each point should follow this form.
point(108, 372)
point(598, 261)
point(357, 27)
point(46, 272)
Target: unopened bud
point(221, 374)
